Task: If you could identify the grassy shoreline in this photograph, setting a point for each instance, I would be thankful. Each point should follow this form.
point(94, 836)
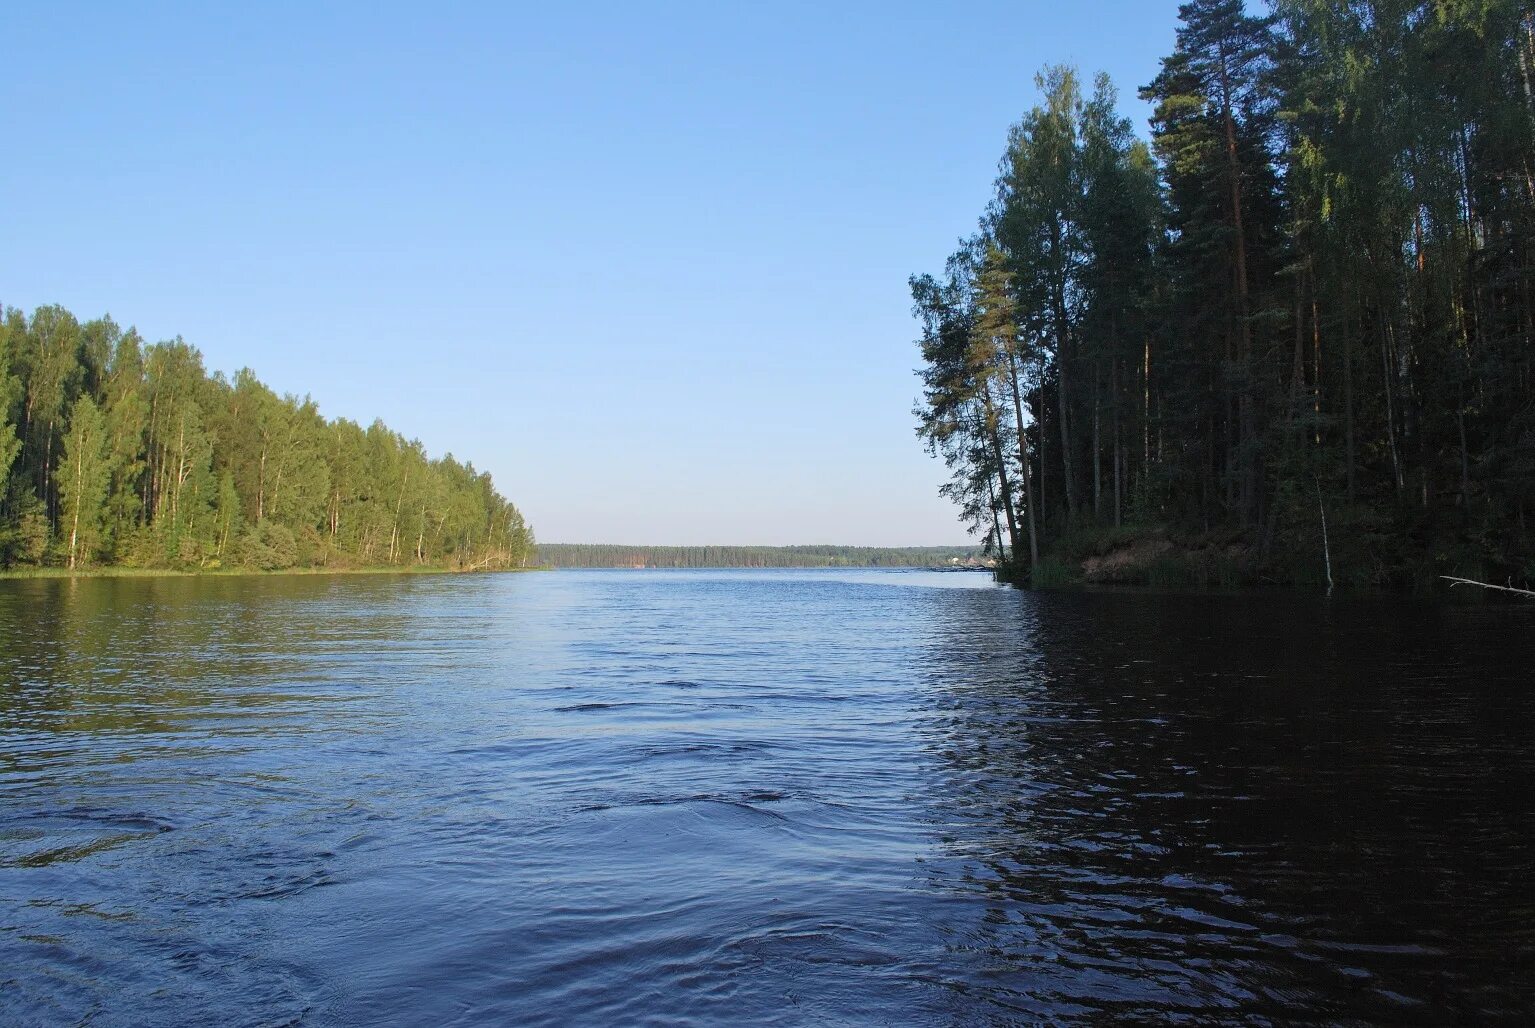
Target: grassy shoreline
point(122, 572)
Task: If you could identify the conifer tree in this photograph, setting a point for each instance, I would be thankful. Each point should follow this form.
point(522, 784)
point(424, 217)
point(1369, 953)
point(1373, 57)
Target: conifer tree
point(1318, 285)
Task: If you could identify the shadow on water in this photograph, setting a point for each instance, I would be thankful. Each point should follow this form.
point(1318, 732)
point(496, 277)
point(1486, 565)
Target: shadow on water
point(1236, 807)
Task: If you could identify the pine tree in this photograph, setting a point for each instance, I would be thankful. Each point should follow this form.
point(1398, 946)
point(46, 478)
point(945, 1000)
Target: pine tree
point(1035, 221)
point(1318, 285)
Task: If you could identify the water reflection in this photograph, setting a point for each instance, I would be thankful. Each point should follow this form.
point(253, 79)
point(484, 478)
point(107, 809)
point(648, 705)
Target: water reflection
point(766, 798)
point(1243, 807)
point(150, 776)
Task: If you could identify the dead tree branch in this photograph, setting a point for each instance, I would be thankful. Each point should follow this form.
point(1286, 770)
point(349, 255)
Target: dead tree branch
point(1486, 585)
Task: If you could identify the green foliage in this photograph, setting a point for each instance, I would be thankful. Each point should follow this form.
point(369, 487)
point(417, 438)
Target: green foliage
point(1314, 292)
point(1052, 573)
point(135, 456)
point(268, 547)
point(11, 334)
point(1091, 540)
point(81, 478)
point(28, 537)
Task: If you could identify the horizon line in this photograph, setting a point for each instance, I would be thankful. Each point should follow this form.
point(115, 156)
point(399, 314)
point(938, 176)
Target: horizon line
point(777, 546)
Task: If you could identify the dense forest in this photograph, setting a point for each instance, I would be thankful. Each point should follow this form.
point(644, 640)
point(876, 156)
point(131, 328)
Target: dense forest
point(116, 452)
point(580, 555)
point(1288, 339)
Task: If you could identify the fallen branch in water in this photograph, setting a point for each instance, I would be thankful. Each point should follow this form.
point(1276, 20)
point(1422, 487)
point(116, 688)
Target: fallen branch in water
point(1326, 551)
point(1486, 585)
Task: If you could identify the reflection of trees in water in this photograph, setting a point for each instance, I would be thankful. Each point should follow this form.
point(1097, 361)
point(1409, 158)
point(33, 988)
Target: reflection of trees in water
point(175, 755)
point(1222, 803)
point(148, 655)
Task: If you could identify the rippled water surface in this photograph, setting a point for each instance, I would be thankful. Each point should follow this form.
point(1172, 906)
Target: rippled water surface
point(757, 798)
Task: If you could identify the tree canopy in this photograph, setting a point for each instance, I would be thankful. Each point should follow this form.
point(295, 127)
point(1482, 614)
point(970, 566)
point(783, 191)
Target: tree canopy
point(1311, 294)
point(117, 452)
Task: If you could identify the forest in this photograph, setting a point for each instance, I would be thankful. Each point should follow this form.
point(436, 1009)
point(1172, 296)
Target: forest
point(608, 555)
point(1287, 338)
point(117, 452)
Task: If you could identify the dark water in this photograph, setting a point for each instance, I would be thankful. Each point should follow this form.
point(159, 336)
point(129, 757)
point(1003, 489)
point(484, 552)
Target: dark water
point(758, 798)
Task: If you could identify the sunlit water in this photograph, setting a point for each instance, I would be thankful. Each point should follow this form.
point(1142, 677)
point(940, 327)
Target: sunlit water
point(757, 798)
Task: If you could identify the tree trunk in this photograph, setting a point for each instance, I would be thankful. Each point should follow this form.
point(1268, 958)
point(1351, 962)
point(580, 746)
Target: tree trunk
point(1044, 456)
point(1097, 443)
point(1063, 401)
point(50, 494)
point(261, 483)
point(1348, 407)
point(1297, 362)
point(1146, 407)
point(74, 530)
point(1385, 369)
point(1118, 453)
point(1023, 461)
point(1316, 364)
point(394, 532)
point(1229, 471)
point(1062, 362)
point(996, 449)
point(996, 525)
point(1247, 430)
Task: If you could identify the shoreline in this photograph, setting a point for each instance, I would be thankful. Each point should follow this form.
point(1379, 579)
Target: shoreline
point(23, 574)
point(1162, 558)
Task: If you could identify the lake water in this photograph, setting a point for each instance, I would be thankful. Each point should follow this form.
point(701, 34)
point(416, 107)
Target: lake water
point(758, 797)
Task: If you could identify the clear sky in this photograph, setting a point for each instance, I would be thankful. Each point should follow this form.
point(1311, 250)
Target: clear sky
point(645, 263)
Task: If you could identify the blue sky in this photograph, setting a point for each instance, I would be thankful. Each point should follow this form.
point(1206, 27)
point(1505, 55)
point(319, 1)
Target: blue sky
point(646, 264)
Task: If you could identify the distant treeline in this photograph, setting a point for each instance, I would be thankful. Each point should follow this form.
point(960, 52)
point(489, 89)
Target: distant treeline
point(1297, 329)
point(117, 452)
point(604, 555)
